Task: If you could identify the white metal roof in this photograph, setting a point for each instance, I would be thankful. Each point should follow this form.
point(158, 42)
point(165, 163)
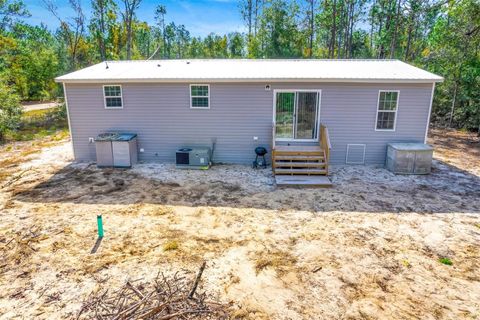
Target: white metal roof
point(248, 70)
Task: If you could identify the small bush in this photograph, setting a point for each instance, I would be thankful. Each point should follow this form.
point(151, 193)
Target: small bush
point(446, 261)
point(406, 263)
point(10, 110)
point(170, 245)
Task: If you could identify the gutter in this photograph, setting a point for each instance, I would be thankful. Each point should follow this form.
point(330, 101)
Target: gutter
point(249, 80)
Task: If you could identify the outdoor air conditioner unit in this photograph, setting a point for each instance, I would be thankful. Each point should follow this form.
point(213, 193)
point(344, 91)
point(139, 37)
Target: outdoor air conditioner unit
point(193, 158)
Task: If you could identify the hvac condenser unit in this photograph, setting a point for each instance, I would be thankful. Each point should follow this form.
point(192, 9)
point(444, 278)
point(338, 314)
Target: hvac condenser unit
point(193, 158)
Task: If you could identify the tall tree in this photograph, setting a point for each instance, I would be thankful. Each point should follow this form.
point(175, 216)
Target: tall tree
point(310, 22)
point(10, 11)
point(331, 49)
point(236, 45)
point(278, 28)
point(130, 8)
point(160, 12)
point(182, 40)
point(247, 11)
point(143, 37)
point(454, 51)
point(103, 17)
point(71, 29)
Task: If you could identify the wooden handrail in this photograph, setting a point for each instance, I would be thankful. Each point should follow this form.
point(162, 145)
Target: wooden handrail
point(325, 142)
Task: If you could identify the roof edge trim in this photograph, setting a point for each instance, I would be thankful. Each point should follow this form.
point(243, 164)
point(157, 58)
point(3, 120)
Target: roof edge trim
point(188, 80)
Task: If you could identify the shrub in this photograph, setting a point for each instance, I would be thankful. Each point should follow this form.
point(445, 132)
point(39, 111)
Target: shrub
point(170, 245)
point(10, 109)
point(446, 261)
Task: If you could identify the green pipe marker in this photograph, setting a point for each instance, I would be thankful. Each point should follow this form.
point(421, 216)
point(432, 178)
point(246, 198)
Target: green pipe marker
point(100, 226)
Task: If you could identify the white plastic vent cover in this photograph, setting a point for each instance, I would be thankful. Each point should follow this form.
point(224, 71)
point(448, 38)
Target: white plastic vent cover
point(355, 153)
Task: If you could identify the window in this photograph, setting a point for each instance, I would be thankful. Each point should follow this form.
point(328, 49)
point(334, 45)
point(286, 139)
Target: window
point(113, 97)
point(200, 96)
point(387, 110)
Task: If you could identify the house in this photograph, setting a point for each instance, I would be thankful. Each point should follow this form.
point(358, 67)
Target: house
point(341, 111)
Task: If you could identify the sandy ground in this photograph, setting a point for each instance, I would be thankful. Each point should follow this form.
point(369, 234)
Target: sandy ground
point(368, 248)
point(459, 149)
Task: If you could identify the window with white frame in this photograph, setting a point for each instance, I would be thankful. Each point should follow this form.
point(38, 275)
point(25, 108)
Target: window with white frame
point(200, 96)
point(113, 96)
point(387, 110)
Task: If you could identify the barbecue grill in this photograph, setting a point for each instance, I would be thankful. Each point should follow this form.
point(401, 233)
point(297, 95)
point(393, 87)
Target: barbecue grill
point(260, 158)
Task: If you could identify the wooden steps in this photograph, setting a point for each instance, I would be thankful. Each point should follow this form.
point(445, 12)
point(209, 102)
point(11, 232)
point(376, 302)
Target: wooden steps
point(303, 181)
point(303, 171)
point(296, 164)
point(302, 165)
point(299, 160)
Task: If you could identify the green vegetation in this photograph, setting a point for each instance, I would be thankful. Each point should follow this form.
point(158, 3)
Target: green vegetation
point(446, 261)
point(440, 36)
point(39, 124)
point(10, 110)
point(170, 245)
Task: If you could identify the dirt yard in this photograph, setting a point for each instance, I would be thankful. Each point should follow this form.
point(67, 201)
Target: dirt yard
point(375, 246)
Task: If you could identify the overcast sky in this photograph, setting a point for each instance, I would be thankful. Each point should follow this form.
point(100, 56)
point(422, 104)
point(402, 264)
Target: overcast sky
point(200, 17)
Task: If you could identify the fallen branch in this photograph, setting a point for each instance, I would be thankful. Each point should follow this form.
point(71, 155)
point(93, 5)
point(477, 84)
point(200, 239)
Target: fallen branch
point(197, 280)
point(164, 298)
point(138, 293)
point(317, 269)
point(16, 178)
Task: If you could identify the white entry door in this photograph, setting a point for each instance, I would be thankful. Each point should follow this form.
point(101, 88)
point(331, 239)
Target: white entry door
point(296, 115)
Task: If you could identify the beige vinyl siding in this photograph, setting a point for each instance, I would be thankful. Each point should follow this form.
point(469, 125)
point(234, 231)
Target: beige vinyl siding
point(161, 116)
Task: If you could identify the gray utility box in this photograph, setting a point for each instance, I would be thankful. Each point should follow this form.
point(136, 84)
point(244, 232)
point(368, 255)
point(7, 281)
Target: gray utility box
point(116, 149)
point(409, 158)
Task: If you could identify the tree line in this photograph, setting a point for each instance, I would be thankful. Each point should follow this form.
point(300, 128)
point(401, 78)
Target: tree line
point(442, 36)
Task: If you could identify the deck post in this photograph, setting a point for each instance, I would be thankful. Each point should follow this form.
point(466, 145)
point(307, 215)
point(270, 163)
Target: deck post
point(325, 144)
point(273, 146)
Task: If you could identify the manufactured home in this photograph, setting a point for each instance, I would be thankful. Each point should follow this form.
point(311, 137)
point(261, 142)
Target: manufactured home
point(340, 111)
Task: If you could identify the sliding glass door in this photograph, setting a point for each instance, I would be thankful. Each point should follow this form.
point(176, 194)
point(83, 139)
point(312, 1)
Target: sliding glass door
point(296, 115)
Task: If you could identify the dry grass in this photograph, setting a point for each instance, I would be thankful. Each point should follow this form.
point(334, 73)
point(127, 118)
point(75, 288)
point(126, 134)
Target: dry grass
point(20, 246)
point(281, 261)
point(171, 245)
point(8, 166)
point(14, 154)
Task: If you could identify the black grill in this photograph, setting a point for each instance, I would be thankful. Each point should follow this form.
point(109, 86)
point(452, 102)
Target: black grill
point(260, 152)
